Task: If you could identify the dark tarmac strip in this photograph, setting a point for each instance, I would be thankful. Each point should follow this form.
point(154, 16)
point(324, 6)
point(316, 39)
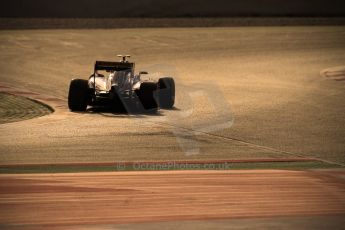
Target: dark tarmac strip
point(60, 201)
point(233, 164)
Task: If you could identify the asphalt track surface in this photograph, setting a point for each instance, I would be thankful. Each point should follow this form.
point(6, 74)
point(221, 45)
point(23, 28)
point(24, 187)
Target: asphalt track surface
point(247, 92)
point(242, 93)
point(104, 200)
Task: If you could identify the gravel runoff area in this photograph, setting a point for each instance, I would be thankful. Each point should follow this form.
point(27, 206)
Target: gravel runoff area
point(147, 199)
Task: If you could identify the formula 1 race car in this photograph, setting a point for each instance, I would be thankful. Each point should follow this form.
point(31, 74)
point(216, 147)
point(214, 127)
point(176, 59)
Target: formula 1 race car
point(115, 84)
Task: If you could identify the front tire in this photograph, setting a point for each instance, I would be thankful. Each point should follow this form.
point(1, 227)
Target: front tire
point(78, 95)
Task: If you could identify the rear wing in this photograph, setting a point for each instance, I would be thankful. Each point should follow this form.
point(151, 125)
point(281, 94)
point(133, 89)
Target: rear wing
point(113, 66)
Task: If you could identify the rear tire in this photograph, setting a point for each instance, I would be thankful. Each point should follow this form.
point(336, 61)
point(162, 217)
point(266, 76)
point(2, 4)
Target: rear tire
point(147, 96)
point(166, 92)
point(78, 95)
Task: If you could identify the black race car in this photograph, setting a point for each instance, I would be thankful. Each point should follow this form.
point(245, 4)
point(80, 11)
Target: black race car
point(116, 85)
